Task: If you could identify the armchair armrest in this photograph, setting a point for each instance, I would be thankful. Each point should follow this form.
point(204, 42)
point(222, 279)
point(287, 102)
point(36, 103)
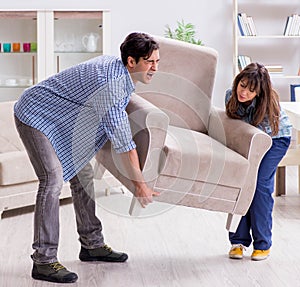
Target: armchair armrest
point(149, 127)
point(246, 140)
point(237, 135)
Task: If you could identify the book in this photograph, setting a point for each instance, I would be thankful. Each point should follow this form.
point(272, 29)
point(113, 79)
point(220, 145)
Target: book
point(292, 25)
point(297, 26)
point(246, 23)
point(243, 61)
point(252, 26)
point(287, 26)
point(274, 68)
point(241, 25)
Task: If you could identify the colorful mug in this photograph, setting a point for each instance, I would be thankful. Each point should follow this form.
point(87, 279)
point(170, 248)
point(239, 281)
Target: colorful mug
point(33, 47)
point(26, 47)
point(16, 47)
point(6, 47)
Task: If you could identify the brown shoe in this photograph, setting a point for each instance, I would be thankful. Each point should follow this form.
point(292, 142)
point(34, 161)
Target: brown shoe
point(53, 272)
point(104, 253)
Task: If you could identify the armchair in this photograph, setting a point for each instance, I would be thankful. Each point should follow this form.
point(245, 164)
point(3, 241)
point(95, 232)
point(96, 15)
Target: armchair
point(189, 150)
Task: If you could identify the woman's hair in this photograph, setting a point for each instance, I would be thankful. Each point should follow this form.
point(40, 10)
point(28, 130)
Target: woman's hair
point(137, 45)
point(257, 78)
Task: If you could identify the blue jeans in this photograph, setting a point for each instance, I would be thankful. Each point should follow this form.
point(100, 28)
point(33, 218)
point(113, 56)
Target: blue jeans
point(46, 215)
point(259, 216)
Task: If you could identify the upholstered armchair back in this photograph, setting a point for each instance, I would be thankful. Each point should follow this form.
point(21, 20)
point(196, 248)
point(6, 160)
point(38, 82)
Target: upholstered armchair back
point(183, 85)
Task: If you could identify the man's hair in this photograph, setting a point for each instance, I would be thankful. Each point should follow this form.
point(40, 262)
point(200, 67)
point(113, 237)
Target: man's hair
point(137, 45)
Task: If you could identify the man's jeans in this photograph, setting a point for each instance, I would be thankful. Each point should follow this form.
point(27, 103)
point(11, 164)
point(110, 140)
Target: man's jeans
point(46, 217)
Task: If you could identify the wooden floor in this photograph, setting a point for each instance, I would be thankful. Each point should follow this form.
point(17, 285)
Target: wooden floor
point(175, 247)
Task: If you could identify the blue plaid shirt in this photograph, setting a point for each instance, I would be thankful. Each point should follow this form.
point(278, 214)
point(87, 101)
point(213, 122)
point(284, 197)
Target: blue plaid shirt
point(79, 109)
point(246, 114)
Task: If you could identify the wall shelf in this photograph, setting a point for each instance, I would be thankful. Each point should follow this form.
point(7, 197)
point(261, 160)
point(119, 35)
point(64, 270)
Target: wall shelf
point(270, 46)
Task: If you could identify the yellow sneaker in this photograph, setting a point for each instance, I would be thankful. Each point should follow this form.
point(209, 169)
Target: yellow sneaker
point(236, 251)
point(258, 255)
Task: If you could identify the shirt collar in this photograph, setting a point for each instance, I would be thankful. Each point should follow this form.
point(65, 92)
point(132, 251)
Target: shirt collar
point(245, 110)
point(129, 81)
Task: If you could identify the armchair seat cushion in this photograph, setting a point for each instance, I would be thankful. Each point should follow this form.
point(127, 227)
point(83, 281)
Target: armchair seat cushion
point(196, 156)
point(15, 168)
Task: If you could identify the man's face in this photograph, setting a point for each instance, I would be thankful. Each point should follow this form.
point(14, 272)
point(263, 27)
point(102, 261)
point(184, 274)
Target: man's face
point(144, 70)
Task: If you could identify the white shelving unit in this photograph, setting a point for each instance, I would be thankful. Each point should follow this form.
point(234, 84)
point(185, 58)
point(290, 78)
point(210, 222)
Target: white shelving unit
point(269, 46)
point(58, 34)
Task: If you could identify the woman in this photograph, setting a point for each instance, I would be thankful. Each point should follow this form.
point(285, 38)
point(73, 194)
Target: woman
point(253, 100)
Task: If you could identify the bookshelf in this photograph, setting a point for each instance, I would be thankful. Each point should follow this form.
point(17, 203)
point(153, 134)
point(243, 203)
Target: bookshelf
point(269, 42)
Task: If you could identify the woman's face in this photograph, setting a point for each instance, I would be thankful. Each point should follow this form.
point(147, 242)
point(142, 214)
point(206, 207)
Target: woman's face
point(244, 94)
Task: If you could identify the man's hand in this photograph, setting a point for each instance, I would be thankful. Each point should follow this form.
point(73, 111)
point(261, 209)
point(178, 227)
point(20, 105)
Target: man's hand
point(144, 194)
point(142, 191)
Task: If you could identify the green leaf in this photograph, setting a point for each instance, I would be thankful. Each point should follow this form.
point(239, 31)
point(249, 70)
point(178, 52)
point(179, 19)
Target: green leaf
point(183, 32)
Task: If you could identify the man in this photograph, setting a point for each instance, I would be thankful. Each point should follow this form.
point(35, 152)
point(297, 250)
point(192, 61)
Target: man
point(63, 121)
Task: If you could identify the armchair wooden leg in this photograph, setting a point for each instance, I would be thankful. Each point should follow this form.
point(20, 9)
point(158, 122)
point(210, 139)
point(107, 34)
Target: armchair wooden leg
point(135, 207)
point(280, 181)
point(233, 221)
point(107, 191)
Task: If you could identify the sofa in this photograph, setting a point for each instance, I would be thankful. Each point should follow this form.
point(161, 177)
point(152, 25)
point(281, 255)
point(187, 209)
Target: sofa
point(189, 150)
point(18, 182)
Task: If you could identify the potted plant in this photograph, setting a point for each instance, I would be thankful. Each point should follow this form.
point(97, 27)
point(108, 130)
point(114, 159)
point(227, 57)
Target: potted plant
point(183, 32)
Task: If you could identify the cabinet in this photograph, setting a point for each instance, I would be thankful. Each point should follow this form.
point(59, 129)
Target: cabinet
point(17, 69)
point(270, 46)
point(58, 35)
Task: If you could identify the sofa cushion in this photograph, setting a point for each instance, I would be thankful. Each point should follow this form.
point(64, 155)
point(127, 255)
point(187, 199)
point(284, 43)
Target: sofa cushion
point(207, 160)
point(9, 137)
point(15, 167)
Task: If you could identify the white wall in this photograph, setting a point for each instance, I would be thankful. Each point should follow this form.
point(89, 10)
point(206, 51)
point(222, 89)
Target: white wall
point(212, 19)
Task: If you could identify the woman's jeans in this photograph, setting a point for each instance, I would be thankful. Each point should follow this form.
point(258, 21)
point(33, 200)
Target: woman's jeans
point(46, 216)
point(259, 215)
